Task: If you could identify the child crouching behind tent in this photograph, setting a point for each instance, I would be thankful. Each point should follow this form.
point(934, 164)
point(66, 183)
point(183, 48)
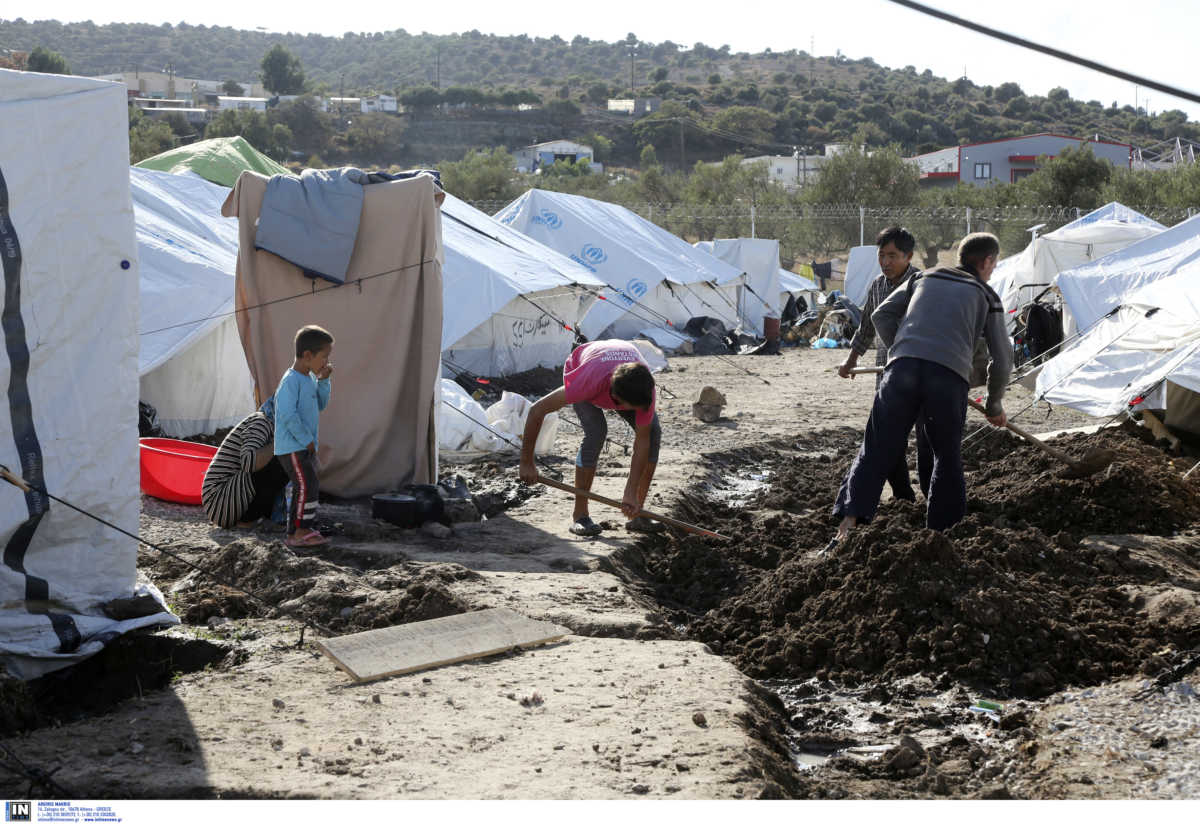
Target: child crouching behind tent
point(303, 392)
point(607, 374)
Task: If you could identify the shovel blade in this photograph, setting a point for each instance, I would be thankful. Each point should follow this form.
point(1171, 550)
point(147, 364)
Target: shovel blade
point(1096, 460)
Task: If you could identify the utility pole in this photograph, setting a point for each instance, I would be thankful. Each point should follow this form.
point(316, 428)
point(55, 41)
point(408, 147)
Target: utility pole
point(437, 83)
point(631, 59)
point(682, 156)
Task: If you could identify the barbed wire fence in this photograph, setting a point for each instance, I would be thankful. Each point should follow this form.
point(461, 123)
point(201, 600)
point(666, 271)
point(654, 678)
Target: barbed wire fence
point(822, 231)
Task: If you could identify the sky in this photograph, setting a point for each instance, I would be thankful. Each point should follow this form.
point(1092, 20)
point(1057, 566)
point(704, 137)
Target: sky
point(1152, 38)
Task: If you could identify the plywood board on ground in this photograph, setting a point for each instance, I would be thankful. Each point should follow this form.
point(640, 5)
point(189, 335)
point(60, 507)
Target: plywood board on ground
point(378, 653)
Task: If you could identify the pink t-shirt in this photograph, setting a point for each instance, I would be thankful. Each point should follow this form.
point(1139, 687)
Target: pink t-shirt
point(587, 375)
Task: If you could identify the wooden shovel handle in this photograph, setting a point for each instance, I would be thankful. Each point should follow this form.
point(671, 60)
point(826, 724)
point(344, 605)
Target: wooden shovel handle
point(644, 512)
point(1012, 427)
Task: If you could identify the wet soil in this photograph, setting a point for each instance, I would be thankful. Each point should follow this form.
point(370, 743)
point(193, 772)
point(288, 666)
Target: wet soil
point(1009, 600)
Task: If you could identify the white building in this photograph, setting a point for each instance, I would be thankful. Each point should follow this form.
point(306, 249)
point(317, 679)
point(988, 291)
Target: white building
point(635, 106)
point(342, 104)
point(256, 104)
point(382, 103)
point(791, 170)
point(540, 155)
point(167, 86)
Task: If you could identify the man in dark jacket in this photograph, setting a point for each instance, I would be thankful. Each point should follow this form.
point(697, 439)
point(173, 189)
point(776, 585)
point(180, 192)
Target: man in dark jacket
point(895, 246)
point(930, 326)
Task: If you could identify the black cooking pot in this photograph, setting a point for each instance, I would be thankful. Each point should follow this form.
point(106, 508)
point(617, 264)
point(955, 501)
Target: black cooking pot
point(412, 506)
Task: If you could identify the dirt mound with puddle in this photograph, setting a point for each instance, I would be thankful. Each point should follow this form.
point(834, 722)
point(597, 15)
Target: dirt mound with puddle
point(1008, 599)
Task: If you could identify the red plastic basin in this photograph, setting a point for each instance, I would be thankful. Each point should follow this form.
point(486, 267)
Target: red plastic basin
point(174, 470)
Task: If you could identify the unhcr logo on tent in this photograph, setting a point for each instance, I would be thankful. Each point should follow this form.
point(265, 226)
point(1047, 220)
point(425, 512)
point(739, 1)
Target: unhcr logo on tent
point(636, 287)
point(548, 219)
point(594, 254)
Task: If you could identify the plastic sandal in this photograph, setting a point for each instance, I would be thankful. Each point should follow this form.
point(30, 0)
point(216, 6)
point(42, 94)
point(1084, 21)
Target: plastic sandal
point(586, 527)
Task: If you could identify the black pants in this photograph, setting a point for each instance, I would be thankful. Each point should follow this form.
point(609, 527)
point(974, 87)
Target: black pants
point(898, 478)
point(302, 471)
point(913, 391)
point(268, 483)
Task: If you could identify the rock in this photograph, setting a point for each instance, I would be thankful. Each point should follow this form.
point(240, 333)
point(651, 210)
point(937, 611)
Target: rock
point(136, 748)
point(706, 412)
point(461, 510)
point(436, 530)
point(711, 397)
point(997, 793)
point(277, 703)
point(640, 789)
point(305, 752)
point(699, 720)
point(682, 766)
point(358, 742)
point(277, 744)
point(375, 699)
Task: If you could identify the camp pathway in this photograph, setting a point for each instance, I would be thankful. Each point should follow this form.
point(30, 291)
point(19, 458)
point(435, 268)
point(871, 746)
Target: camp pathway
point(611, 712)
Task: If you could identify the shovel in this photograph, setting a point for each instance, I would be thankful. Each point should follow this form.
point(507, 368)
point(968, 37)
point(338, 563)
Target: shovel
point(860, 370)
point(1093, 461)
point(686, 527)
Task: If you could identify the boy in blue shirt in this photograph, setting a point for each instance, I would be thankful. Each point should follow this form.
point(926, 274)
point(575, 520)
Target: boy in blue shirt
point(303, 392)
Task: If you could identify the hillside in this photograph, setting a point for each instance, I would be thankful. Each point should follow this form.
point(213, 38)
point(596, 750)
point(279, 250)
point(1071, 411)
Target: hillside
point(793, 98)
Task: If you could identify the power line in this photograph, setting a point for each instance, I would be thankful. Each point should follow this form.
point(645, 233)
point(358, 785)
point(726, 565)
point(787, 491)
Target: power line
point(1061, 55)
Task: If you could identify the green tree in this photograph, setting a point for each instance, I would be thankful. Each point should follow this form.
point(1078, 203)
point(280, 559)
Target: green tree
point(1075, 177)
point(232, 89)
point(47, 62)
point(281, 71)
point(601, 146)
point(254, 127)
point(375, 138)
point(148, 137)
point(597, 93)
point(484, 174)
point(311, 128)
point(753, 124)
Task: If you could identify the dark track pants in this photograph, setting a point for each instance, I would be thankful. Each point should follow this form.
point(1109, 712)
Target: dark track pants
point(912, 391)
point(302, 472)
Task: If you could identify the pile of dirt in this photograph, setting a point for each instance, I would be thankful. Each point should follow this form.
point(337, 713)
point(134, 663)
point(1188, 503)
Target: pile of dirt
point(1008, 599)
point(334, 593)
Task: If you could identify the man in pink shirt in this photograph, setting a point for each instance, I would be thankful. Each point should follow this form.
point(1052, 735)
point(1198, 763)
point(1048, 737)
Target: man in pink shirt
point(604, 374)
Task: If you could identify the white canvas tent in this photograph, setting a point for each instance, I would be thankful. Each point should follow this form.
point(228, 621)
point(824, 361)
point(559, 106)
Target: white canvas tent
point(862, 265)
point(1151, 341)
point(191, 363)
point(506, 296)
point(1022, 277)
point(71, 367)
point(655, 280)
point(801, 288)
point(1093, 289)
point(756, 292)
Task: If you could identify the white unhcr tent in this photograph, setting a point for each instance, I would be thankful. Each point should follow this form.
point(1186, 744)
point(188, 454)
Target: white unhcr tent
point(655, 281)
point(1151, 341)
point(508, 299)
point(756, 292)
point(1093, 289)
point(803, 289)
point(192, 366)
point(1022, 277)
point(68, 584)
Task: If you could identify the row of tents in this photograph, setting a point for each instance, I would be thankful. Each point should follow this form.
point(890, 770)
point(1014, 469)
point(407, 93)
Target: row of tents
point(129, 282)
point(520, 284)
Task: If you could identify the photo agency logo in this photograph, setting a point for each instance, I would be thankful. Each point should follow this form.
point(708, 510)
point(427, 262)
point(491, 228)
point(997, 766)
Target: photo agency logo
point(548, 219)
point(18, 811)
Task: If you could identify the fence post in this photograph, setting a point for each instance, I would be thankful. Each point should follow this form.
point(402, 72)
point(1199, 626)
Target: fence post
point(968, 220)
point(862, 212)
point(752, 220)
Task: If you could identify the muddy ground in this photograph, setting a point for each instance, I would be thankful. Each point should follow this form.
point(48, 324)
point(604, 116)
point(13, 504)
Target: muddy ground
point(757, 667)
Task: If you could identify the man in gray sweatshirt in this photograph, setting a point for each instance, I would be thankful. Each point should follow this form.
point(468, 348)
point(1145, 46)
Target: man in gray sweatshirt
point(930, 326)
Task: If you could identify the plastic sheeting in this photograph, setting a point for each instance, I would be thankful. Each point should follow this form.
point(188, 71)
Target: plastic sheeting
point(192, 367)
point(467, 429)
point(654, 277)
point(758, 287)
point(1154, 337)
point(70, 264)
point(507, 296)
point(1093, 289)
point(1022, 277)
point(862, 265)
